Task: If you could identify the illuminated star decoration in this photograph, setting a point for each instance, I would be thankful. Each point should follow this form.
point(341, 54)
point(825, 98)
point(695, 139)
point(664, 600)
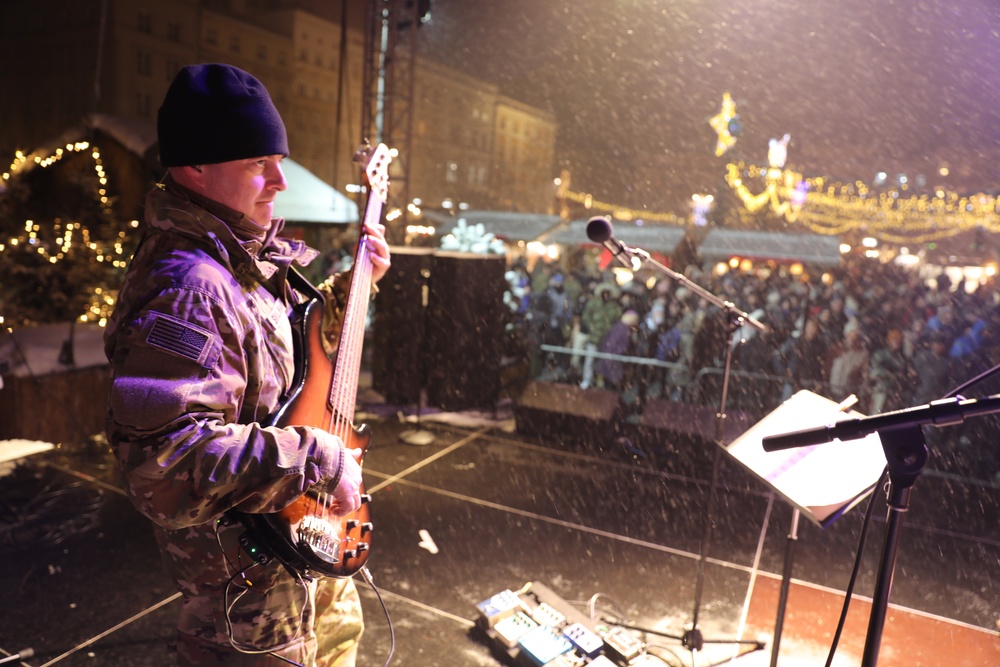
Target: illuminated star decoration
point(726, 124)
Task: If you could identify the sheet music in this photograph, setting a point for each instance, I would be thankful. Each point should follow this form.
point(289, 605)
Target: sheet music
point(823, 481)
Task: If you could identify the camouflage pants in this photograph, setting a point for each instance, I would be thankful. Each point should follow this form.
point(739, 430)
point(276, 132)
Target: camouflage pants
point(332, 643)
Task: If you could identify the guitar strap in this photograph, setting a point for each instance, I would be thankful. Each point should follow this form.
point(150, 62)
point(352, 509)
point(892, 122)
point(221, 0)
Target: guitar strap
point(303, 286)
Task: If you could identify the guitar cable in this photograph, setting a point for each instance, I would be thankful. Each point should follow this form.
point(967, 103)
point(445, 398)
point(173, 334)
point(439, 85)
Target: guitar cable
point(367, 576)
point(250, 649)
point(259, 558)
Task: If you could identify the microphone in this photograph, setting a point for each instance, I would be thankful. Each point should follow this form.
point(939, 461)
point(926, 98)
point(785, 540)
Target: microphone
point(946, 412)
point(599, 230)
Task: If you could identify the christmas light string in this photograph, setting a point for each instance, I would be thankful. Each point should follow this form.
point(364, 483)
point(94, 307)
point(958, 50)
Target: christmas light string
point(831, 208)
point(64, 237)
point(621, 212)
point(815, 203)
point(838, 208)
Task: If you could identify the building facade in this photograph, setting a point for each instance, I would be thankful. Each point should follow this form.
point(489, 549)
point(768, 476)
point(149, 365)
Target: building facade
point(471, 145)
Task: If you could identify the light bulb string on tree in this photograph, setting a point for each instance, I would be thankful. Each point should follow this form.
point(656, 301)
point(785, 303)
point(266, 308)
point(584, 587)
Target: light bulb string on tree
point(65, 238)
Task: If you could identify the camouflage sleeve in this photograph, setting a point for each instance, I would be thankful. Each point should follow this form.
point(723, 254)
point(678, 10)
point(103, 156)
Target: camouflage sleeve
point(181, 379)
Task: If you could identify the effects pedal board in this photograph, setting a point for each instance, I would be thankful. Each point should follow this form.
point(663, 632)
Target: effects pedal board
point(534, 627)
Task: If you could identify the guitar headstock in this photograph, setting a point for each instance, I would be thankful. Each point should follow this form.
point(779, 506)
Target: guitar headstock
point(375, 162)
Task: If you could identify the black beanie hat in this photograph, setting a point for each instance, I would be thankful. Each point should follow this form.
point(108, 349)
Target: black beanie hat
point(217, 113)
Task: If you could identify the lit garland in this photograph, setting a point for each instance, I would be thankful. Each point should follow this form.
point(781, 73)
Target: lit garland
point(829, 208)
point(838, 208)
point(64, 237)
point(620, 212)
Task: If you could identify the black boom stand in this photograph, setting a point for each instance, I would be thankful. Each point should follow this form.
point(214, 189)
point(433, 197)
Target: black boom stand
point(599, 229)
point(905, 454)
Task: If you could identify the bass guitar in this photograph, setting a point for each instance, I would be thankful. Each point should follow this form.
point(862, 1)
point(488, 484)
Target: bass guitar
point(308, 536)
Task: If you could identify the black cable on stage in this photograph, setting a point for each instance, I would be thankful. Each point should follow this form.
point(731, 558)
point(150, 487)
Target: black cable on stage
point(854, 572)
point(38, 511)
point(367, 576)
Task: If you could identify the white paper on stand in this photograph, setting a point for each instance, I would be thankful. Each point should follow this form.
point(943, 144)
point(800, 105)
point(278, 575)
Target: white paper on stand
point(823, 481)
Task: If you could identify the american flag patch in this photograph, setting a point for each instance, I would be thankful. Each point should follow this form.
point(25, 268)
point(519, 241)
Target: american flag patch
point(178, 337)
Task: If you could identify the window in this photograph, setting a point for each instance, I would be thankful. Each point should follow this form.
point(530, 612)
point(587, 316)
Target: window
point(145, 23)
point(142, 104)
point(234, 44)
point(143, 63)
point(174, 31)
point(261, 52)
point(212, 37)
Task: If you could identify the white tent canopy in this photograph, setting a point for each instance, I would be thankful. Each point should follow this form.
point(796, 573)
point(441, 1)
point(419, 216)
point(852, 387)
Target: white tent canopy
point(652, 238)
point(310, 200)
point(817, 249)
point(512, 226)
point(506, 225)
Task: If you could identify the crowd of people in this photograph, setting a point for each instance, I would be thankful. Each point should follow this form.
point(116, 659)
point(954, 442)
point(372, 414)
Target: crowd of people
point(875, 331)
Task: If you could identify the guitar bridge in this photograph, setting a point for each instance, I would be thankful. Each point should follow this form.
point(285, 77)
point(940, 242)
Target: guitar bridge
point(321, 537)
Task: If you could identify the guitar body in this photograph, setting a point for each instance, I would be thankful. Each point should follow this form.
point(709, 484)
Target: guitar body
point(306, 535)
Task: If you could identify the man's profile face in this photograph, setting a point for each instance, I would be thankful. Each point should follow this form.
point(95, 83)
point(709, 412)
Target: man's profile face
point(247, 186)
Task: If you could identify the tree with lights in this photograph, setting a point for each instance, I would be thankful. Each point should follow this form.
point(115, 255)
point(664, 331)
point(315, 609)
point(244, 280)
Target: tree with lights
point(61, 243)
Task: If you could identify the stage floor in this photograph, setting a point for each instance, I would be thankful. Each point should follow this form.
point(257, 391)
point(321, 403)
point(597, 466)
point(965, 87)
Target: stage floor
point(614, 529)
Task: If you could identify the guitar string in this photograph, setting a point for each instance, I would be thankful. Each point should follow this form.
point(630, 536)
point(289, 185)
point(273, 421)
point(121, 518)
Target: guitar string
point(348, 355)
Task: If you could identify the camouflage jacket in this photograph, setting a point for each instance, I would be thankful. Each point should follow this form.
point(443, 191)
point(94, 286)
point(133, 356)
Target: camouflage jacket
point(200, 347)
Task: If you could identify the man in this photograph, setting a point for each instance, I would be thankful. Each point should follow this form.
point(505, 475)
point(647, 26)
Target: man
point(201, 351)
point(891, 376)
point(599, 315)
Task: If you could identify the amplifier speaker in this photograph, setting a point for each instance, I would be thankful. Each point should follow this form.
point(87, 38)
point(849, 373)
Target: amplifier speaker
point(682, 435)
point(566, 414)
point(464, 331)
point(398, 332)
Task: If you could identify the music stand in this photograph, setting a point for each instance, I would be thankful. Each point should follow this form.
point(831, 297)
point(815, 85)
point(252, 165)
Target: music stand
point(822, 481)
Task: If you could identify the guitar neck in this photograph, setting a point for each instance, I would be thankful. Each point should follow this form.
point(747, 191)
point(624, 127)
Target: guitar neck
point(348, 360)
point(344, 388)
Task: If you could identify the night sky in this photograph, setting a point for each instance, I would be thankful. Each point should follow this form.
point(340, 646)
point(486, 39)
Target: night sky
point(862, 86)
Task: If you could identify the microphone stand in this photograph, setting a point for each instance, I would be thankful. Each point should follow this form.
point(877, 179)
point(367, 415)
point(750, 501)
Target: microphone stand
point(418, 435)
point(692, 639)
